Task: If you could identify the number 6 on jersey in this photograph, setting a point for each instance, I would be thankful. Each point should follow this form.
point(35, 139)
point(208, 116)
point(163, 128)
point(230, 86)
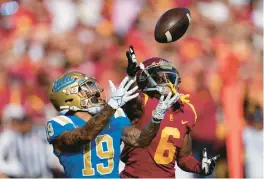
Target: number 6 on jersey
point(165, 145)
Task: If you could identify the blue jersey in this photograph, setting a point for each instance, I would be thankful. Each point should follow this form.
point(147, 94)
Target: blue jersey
point(98, 158)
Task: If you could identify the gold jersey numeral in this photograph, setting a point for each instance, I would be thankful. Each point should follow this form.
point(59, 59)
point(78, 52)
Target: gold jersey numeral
point(50, 130)
point(165, 145)
point(107, 154)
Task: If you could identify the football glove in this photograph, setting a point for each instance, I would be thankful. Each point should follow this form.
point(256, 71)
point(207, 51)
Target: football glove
point(132, 67)
point(208, 165)
point(119, 96)
point(163, 105)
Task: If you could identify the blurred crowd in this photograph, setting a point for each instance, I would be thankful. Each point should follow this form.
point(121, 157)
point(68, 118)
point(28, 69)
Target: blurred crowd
point(222, 50)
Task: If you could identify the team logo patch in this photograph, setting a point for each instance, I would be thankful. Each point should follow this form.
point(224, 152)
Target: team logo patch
point(171, 117)
point(62, 83)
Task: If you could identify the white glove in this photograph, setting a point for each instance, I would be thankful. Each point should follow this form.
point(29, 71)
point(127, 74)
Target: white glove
point(208, 165)
point(163, 105)
point(119, 96)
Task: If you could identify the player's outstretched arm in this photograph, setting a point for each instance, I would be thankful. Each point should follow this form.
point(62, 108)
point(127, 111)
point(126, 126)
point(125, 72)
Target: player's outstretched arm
point(185, 160)
point(133, 108)
point(136, 138)
point(88, 132)
point(119, 96)
point(188, 163)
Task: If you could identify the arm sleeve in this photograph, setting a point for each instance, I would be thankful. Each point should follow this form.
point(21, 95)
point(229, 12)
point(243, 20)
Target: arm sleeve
point(185, 160)
point(189, 164)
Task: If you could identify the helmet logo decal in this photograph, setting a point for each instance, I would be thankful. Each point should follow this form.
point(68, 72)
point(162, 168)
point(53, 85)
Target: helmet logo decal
point(63, 82)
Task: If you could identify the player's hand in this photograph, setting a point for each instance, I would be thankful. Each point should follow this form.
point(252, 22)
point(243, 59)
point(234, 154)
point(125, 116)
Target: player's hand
point(208, 165)
point(132, 67)
point(119, 96)
point(163, 105)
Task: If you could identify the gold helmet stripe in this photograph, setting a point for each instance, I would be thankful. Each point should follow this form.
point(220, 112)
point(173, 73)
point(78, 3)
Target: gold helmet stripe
point(62, 120)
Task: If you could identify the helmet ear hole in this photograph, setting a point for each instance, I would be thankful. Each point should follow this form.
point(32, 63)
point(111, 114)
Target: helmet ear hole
point(68, 100)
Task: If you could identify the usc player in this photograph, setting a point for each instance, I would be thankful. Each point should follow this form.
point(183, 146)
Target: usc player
point(156, 77)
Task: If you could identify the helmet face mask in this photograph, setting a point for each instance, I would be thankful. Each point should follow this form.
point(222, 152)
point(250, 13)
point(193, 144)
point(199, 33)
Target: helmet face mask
point(75, 91)
point(157, 75)
point(92, 96)
point(91, 93)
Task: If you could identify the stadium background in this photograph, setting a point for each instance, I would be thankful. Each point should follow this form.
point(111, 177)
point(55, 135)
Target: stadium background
point(219, 59)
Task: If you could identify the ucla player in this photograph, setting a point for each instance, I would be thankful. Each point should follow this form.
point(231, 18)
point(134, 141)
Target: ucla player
point(86, 136)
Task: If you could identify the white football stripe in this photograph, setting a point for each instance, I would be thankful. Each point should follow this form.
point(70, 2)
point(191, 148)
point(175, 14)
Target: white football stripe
point(189, 17)
point(168, 36)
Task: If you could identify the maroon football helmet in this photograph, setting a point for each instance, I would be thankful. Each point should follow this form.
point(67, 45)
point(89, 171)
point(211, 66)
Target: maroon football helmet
point(156, 73)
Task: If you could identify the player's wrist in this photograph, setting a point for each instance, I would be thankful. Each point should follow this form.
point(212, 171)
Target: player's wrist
point(155, 120)
point(199, 169)
point(113, 104)
point(130, 71)
point(158, 115)
point(109, 108)
point(131, 77)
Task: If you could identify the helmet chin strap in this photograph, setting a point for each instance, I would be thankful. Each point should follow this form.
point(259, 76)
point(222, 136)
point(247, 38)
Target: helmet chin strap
point(92, 110)
point(160, 89)
point(70, 108)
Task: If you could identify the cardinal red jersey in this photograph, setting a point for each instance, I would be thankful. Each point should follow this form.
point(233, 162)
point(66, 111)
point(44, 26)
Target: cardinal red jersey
point(158, 159)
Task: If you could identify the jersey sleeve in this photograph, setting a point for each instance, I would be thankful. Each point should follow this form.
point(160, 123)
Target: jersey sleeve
point(121, 118)
point(57, 126)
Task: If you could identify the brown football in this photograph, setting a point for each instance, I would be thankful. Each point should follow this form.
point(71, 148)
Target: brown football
point(172, 25)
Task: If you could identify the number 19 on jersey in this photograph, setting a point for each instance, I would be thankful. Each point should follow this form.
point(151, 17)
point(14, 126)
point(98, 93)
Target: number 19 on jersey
point(107, 154)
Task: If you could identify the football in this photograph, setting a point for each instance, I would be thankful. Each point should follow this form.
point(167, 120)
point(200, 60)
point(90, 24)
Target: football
point(172, 25)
